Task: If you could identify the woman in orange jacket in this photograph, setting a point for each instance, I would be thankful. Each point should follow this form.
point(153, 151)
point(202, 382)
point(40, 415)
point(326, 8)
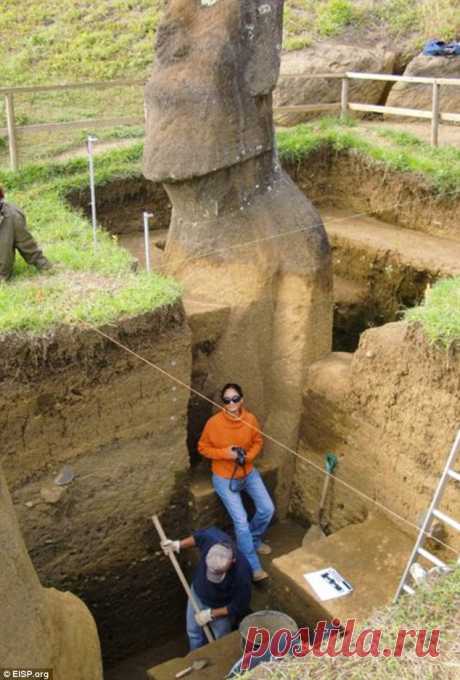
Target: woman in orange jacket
point(232, 440)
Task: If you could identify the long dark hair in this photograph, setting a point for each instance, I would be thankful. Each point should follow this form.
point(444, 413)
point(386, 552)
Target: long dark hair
point(2, 194)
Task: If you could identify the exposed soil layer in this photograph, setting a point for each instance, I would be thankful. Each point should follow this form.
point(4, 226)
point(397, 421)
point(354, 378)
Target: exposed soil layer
point(120, 204)
point(390, 413)
point(347, 179)
point(73, 397)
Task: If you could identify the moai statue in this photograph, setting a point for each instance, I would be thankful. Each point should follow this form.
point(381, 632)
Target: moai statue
point(241, 233)
point(41, 628)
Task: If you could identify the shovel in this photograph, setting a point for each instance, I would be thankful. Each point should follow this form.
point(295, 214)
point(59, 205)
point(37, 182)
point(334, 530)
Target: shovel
point(315, 533)
point(196, 666)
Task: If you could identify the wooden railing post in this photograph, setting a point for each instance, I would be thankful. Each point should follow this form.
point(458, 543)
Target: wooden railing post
point(11, 126)
point(435, 113)
point(344, 97)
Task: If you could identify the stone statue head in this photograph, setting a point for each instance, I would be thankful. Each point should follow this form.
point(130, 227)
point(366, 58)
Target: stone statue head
point(208, 101)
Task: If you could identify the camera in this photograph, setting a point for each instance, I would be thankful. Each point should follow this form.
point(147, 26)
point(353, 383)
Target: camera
point(240, 455)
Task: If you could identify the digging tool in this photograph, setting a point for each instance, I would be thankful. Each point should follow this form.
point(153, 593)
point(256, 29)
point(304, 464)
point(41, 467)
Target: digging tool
point(180, 573)
point(316, 532)
point(196, 666)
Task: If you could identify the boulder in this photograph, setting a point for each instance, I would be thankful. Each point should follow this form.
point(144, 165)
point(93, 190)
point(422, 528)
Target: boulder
point(418, 95)
point(329, 58)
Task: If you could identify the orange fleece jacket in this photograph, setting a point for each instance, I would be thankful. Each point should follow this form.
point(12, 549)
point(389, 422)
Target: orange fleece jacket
point(222, 431)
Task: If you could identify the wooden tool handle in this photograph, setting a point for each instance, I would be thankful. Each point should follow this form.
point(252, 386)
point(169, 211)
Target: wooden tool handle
point(180, 573)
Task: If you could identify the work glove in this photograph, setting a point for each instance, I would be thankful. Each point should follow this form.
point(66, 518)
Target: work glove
point(203, 617)
point(169, 547)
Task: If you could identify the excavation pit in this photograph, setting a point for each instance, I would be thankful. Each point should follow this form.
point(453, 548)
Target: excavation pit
point(391, 237)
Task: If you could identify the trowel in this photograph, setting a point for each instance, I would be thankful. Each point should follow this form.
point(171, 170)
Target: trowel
point(316, 532)
point(196, 666)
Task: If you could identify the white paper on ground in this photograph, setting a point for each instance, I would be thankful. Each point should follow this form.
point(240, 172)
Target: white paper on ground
point(328, 584)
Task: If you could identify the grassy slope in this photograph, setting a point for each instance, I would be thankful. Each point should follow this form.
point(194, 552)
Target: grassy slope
point(436, 605)
point(74, 40)
point(36, 302)
point(86, 285)
point(44, 41)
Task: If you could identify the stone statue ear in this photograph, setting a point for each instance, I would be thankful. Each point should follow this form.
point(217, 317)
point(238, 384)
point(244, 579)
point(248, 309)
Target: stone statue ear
point(262, 26)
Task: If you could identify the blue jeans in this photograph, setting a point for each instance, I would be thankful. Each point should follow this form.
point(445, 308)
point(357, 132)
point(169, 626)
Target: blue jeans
point(196, 636)
point(248, 534)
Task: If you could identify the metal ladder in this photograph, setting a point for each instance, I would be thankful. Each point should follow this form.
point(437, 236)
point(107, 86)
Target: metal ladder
point(448, 474)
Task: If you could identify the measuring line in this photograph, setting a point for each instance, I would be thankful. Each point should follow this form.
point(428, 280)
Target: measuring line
point(267, 436)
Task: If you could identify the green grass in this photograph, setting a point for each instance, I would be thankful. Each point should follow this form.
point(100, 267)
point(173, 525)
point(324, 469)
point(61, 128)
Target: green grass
point(333, 16)
point(439, 166)
point(97, 286)
point(36, 302)
point(439, 315)
point(44, 42)
point(436, 605)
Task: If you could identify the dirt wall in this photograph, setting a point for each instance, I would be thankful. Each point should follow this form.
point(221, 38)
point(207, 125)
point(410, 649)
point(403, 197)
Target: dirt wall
point(390, 412)
point(74, 398)
point(349, 179)
point(327, 177)
point(120, 204)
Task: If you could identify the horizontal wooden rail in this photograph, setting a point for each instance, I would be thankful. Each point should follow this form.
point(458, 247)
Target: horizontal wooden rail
point(98, 84)
point(306, 108)
point(89, 123)
point(392, 110)
point(402, 79)
point(314, 76)
point(450, 117)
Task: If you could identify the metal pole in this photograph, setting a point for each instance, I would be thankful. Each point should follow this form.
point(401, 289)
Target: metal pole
point(92, 188)
point(147, 216)
point(182, 579)
point(435, 115)
point(10, 124)
point(344, 97)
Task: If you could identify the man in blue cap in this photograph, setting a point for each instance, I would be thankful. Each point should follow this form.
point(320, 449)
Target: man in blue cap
point(221, 584)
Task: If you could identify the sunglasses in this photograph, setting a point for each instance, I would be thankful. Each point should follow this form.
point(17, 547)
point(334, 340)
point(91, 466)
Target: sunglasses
point(235, 399)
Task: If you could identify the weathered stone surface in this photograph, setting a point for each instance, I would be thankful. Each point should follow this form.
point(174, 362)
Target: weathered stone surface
point(208, 102)
point(420, 96)
point(41, 628)
point(241, 232)
point(329, 58)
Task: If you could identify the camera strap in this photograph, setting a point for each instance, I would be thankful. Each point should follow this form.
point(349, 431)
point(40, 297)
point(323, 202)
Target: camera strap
point(231, 485)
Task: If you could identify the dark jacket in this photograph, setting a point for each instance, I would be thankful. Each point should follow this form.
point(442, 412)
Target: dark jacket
point(235, 590)
point(14, 235)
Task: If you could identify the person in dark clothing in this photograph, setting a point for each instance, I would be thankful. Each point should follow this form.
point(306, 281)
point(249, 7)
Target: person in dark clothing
point(14, 235)
point(221, 584)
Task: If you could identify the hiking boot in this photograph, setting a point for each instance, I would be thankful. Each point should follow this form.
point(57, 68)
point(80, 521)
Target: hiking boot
point(264, 549)
point(259, 575)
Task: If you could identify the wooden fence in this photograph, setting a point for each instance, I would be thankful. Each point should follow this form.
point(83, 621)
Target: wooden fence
point(345, 106)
